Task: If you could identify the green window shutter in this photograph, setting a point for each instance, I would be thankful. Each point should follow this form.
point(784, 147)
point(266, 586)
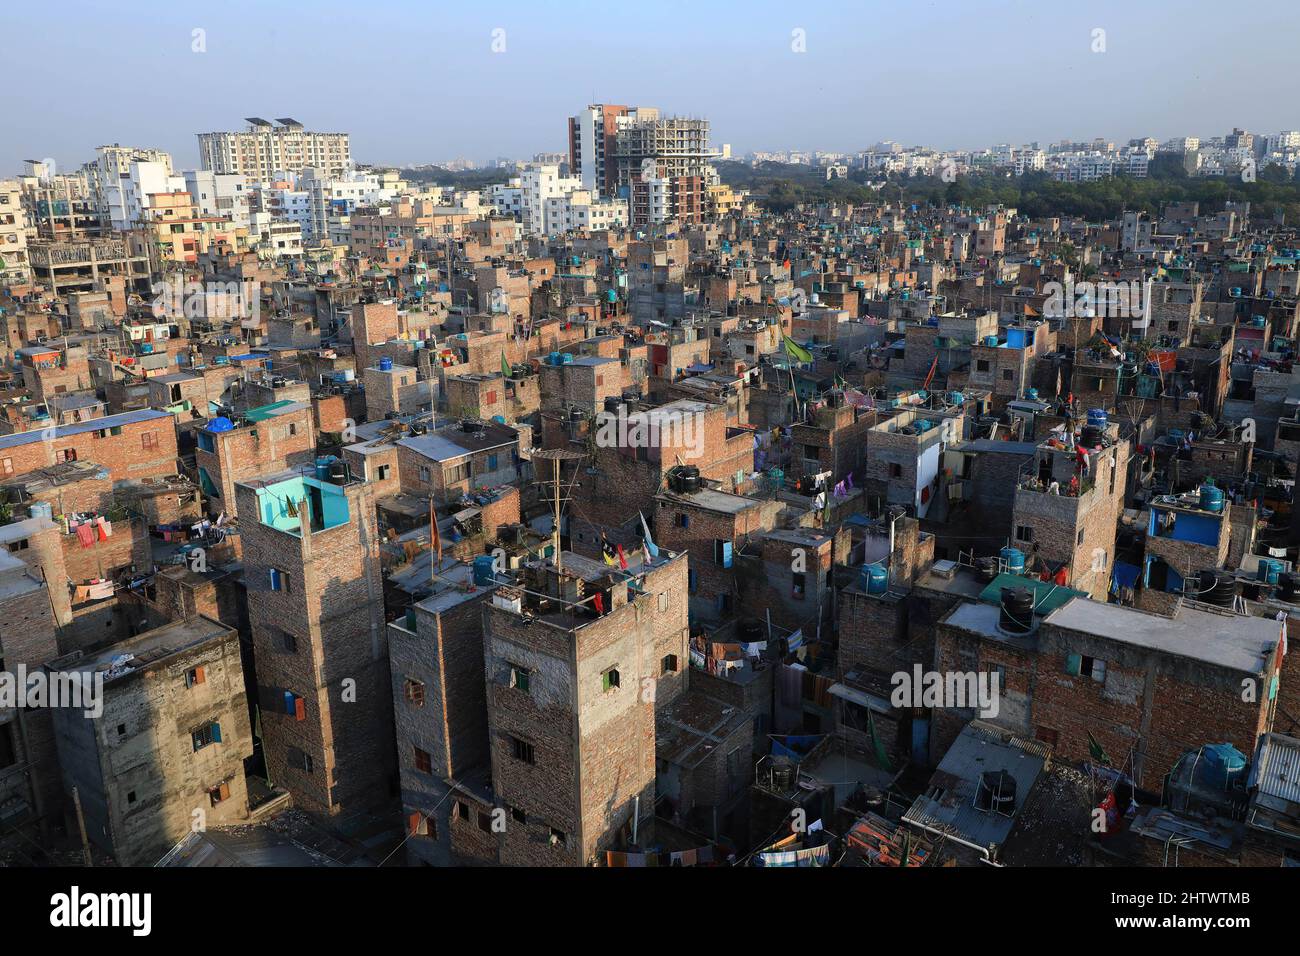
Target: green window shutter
point(1072, 663)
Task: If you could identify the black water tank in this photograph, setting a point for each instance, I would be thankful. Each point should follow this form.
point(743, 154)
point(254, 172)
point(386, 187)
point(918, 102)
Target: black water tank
point(1288, 587)
point(1017, 615)
point(688, 479)
point(1217, 587)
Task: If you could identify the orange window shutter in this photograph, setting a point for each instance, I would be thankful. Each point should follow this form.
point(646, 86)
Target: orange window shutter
point(413, 823)
point(225, 791)
point(199, 675)
point(299, 709)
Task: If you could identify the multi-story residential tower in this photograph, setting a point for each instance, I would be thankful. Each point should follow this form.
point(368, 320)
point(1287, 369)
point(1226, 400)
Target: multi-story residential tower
point(315, 606)
point(265, 148)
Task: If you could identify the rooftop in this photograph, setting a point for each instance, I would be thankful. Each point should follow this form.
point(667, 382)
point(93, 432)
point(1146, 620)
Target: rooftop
point(144, 650)
point(1232, 641)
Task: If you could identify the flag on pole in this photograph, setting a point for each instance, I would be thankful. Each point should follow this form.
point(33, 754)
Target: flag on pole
point(650, 549)
point(505, 366)
point(796, 351)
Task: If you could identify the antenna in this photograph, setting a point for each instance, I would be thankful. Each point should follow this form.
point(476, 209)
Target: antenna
point(561, 496)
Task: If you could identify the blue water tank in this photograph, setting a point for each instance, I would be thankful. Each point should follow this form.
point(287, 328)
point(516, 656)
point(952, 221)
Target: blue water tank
point(956, 398)
point(323, 467)
point(875, 579)
point(385, 364)
point(221, 424)
point(1269, 570)
point(1014, 559)
point(1031, 394)
point(483, 570)
point(553, 358)
point(991, 340)
point(1211, 497)
point(567, 358)
point(1097, 417)
point(40, 509)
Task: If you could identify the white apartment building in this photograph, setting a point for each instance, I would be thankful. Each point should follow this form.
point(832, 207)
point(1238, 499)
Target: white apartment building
point(111, 163)
point(277, 237)
point(129, 200)
point(217, 194)
point(265, 148)
point(289, 205)
point(14, 267)
point(333, 197)
point(582, 209)
point(506, 198)
point(538, 183)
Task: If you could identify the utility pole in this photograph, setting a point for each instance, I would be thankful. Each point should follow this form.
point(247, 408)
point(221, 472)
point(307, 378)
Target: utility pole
point(81, 823)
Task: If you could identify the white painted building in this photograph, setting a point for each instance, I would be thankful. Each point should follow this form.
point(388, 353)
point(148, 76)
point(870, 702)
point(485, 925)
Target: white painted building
point(128, 199)
point(217, 194)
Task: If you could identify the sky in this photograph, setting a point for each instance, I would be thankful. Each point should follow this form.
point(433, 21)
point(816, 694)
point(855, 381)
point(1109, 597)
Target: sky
point(424, 81)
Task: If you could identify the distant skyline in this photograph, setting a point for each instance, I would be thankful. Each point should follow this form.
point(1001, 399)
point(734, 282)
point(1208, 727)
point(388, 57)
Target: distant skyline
point(417, 82)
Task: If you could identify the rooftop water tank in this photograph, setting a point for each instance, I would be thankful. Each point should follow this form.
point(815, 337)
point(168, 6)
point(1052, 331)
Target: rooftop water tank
point(875, 579)
point(483, 570)
point(1211, 497)
point(323, 467)
point(1017, 614)
point(1031, 394)
point(220, 424)
point(385, 364)
point(40, 509)
point(1097, 417)
point(991, 340)
point(1217, 587)
point(1014, 559)
point(1270, 571)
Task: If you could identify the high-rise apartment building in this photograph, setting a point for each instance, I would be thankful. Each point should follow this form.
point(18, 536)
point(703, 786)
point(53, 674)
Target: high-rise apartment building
point(663, 167)
point(265, 148)
point(592, 137)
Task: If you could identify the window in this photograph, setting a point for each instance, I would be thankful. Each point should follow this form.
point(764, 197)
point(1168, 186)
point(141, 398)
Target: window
point(219, 794)
point(683, 521)
point(1024, 533)
point(209, 733)
point(195, 675)
point(413, 690)
point(300, 760)
point(1080, 536)
point(669, 664)
point(279, 580)
point(130, 797)
point(20, 545)
point(518, 815)
point(722, 553)
point(609, 679)
point(121, 730)
point(522, 750)
point(383, 471)
point(284, 641)
point(798, 584)
point(519, 677)
point(982, 365)
point(149, 440)
point(559, 837)
point(293, 429)
point(462, 809)
point(1082, 666)
point(417, 824)
point(424, 473)
point(895, 470)
point(423, 762)
point(663, 600)
point(1006, 375)
point(6, 466)
point(455, 473)
point(66, 454)
point(484, 822)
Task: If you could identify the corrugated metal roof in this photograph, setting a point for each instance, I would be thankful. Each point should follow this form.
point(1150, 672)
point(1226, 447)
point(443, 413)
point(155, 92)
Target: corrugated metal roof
point(1276, 770)
point(948, 805)
point(94, 425)
point(1047, 596)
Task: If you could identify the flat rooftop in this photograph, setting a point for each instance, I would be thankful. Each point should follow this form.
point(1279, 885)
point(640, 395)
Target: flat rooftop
point(1232, 641)
point(145, 649)
point(720, 501)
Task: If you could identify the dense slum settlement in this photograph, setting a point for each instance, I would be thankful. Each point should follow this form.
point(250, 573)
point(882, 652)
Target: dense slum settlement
point(610, 519)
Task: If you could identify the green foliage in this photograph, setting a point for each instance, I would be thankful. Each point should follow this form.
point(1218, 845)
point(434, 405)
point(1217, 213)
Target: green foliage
point(780, 186)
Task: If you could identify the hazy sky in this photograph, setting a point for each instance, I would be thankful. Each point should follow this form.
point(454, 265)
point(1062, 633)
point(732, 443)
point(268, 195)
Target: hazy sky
point(417, 81)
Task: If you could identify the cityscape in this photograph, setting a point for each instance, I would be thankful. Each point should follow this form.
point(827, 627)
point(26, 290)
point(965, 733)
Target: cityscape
point(639, 501)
